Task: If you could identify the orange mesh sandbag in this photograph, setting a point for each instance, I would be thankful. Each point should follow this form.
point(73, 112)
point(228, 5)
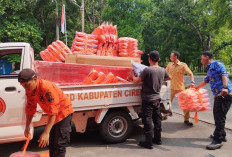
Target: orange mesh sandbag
point(110, 78)
point(84, 44)
point(106, 33)
point(194, 100)
point(100, 79)
point(128, 47)
point(95, 77)
point(55, 52)
point(107, 37)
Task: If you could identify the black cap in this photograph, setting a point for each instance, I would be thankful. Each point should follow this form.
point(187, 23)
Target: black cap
point(27, 75)
point(154, 55)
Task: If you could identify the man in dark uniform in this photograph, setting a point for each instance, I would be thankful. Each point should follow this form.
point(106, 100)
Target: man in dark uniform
point(221, 87)
point(152, 78)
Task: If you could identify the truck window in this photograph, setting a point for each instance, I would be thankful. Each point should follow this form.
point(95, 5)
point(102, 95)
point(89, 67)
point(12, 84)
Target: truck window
point(10, 60)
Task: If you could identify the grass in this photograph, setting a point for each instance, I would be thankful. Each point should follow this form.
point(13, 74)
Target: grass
point(204, 74)
point(200, 74)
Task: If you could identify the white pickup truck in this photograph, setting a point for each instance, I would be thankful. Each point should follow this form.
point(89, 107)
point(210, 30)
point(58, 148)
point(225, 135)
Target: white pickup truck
point(113, 113)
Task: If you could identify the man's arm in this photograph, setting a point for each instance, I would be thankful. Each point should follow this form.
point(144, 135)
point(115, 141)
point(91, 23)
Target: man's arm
point(202, 84)
point(224, 80)
point(221, 69)
point(190, 73)
point(44, 138)
point(168, 78)
point(224, 91)
point(28, 122)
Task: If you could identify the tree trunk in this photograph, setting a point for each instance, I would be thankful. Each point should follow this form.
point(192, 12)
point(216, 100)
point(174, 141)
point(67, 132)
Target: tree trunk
point(43, 23)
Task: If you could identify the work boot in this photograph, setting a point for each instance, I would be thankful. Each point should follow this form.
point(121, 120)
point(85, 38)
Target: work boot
point(148, 142)
point(145, 145)
point(214, 145)
point(158, 142)
point(164, 117)
point(169, 112)
point(188, 123)
point(157, 138)
point(224, 139)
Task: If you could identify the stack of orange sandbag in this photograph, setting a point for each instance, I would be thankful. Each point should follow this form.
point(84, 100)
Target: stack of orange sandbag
point(107, 50)
point(84, 44)
point(55, 52)
point(96, 77)
point(128, 47)
point(107, 36)
point(194, 100)
point(107, 33)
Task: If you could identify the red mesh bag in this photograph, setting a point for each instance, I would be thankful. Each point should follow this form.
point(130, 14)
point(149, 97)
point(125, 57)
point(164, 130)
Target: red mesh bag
point(55, 52)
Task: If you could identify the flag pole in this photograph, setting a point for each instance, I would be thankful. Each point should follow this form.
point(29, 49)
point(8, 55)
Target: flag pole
point(65, 28)
point(57, 27)
point(63, 23)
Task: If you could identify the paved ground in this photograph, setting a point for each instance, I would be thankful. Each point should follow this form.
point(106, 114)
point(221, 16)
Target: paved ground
point(178, 141)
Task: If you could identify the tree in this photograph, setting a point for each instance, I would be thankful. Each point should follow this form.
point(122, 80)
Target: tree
point(18, 23)
point(127, 15)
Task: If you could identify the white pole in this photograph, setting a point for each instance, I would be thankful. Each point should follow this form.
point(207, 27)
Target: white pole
point(83, 14)
point(57, 27)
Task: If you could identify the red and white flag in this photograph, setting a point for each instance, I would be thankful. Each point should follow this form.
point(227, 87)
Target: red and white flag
point(63, 20)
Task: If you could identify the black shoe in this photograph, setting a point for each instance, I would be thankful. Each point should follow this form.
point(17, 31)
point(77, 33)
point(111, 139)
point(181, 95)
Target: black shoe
point(157, 142)
point(188, 123)
point(169, 112)
point(164, 117)
point(224, 139)
point(145, 145)
point(214, 145)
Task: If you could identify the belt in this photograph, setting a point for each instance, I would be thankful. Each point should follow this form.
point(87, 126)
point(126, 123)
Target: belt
point(230, 94)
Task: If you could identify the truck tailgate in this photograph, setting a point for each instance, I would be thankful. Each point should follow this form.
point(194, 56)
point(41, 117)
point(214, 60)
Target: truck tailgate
point(88, 97)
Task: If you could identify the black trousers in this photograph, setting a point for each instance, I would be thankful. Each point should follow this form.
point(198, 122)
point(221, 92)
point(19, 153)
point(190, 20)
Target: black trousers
point(220, 109)
point(60, 137)
point(151, 113)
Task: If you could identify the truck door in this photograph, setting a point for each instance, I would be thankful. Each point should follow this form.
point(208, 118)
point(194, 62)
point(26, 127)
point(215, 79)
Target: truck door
point(12, 95)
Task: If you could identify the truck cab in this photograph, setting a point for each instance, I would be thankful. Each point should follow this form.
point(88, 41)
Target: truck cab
point(12, 94)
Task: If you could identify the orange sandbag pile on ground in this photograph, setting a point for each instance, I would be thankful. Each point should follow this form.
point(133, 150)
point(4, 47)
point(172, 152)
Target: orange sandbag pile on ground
point(107, 37)
point(128, 47)
point(84, 44)
point(96, 77)
point(55, 52)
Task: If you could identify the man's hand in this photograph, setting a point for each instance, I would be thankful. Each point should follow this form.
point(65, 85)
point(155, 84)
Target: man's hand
point(44, 140)
point(224, 92)
point(27, 132)
point(192, 85)
point(202, 84)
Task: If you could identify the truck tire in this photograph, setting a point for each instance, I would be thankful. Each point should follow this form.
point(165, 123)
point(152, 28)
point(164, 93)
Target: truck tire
point(116, 127)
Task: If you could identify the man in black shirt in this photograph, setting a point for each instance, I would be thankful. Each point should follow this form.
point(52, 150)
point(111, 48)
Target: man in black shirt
point(152, 78)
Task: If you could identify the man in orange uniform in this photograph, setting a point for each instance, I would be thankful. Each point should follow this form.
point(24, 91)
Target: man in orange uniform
point(54, 103)
point(177, 69)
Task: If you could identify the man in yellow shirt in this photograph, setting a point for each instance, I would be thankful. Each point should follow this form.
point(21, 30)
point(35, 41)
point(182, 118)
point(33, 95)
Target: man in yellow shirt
point(177, 69)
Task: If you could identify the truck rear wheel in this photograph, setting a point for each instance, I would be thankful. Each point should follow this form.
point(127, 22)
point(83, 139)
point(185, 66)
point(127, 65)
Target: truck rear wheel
point(116, 126)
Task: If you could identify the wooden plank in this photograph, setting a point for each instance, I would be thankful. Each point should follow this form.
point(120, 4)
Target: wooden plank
point(101, 60)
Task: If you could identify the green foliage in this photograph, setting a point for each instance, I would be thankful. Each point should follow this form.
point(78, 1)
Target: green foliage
point(187, 26)
point(18, 23)
point(128, 16)
point(13, 58)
